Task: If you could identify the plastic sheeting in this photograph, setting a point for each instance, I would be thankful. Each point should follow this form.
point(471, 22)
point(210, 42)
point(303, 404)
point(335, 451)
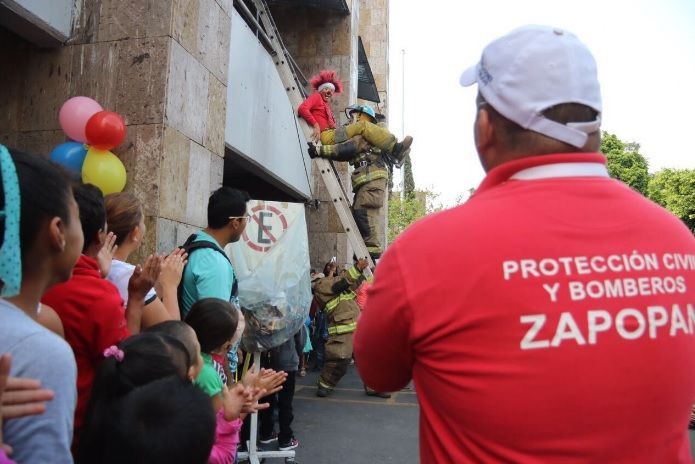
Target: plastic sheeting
point(271, 261)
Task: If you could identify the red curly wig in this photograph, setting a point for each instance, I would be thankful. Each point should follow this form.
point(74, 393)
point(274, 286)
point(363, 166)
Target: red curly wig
point(327, 75)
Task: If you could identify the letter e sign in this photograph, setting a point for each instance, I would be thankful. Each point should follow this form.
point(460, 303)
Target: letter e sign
point(266, 225)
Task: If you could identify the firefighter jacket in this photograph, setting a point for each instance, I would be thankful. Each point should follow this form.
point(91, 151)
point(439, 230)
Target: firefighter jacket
point(368, 166)
point(336, 295)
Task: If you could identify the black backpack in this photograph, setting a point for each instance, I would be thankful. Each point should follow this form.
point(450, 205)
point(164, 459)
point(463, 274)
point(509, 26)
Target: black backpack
point(189, 246)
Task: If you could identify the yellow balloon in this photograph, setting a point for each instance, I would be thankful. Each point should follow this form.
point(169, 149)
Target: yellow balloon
point(103, 169)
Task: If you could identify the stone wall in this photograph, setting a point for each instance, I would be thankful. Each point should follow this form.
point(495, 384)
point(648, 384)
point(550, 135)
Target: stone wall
point(374, 30)
point(320, 39)
point(161, 65)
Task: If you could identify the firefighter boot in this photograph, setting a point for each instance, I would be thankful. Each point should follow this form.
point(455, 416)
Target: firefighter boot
point(313, 151)
point(399, 149)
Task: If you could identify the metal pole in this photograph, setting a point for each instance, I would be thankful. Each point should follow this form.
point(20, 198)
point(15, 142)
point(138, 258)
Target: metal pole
point(400, 171)
point(403, 93)
point(254, 455)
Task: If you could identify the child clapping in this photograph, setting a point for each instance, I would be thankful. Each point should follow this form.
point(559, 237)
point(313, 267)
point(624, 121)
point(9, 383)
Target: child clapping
point(215, 322)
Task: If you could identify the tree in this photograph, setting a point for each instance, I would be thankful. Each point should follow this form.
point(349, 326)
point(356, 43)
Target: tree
point(405, 209)
point(408, 179)
point(625, 162)
point(674, 189)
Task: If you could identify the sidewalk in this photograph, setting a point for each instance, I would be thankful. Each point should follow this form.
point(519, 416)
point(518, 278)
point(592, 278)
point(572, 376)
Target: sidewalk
point(349, 427)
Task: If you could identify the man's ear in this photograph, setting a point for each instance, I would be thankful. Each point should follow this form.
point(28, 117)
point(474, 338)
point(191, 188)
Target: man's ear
point(236, 224)
point(56, 234)
point(485, 138)
point(483, 130)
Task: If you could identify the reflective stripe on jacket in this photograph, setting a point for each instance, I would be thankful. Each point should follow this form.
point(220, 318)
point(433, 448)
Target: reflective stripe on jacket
point(342, 328)
point(340, 307)
point(376, 169)
point(331, 305)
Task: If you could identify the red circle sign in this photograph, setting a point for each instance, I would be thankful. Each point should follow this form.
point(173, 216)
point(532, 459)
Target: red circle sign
point(266, 225)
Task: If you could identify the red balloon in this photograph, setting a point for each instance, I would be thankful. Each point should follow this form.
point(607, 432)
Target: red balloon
point(105, 130)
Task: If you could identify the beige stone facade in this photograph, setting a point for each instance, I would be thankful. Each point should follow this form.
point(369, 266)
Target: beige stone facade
point(163, 65)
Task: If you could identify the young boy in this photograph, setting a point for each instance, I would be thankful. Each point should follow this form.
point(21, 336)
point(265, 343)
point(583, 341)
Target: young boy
point(89, 306)
point(282, 358)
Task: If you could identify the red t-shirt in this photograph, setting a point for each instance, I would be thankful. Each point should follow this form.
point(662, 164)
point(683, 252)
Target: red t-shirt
point(93, 316)
point(316, 111)
point(549, 319)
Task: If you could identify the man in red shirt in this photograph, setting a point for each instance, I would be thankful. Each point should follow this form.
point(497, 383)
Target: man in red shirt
point(89, 306)
point(569, 336)
point(316, 111)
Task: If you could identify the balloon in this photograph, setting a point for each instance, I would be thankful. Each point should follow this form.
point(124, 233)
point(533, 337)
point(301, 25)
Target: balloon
point(103, 169)
point(105, 130)
point(74, 115)
point(70, 155)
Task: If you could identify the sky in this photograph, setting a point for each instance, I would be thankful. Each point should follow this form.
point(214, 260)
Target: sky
point(645, 52)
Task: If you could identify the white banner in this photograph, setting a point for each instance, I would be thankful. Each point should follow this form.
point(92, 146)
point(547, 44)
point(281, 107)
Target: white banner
point(271, 261)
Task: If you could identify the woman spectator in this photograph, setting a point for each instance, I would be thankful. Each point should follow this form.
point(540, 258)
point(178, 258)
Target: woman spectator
point(41, 214)
point(126, 221)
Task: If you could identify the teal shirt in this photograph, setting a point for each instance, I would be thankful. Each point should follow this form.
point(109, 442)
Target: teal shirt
point(208, 274)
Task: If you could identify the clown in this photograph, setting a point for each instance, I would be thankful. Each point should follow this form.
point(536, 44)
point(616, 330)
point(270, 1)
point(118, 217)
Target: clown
point(316, 111)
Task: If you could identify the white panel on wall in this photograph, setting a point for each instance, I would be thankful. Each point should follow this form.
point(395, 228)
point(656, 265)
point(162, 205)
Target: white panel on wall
point(44, 22)
point(261, 122)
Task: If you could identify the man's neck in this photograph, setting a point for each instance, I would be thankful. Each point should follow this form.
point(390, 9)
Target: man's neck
point(220, 236)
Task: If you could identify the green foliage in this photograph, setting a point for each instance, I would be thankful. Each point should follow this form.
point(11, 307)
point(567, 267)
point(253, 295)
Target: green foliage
point(406, 209)
point(625, 162)
point(674, 189)
point(408, 179)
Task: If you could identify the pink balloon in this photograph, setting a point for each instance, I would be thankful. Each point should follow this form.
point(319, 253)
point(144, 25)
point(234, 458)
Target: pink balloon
point(74, 115)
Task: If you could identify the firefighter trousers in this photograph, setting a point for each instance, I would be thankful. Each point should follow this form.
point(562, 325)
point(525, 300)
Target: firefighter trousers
point(374, 134)
point(368, 211)
point(337, 360)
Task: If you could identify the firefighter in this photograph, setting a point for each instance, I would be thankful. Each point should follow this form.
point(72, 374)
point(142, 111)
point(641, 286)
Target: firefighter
point(316, 111)
point(336, 295)
point(369, 178)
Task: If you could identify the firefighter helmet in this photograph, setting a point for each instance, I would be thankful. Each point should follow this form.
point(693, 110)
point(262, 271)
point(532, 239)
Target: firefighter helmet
point(368, 110)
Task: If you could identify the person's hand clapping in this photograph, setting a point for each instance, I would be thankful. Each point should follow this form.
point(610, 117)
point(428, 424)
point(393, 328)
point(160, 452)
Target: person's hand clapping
point(172, 268)
point(105, 255)
point(264, 379)
point(233, 401)
point(253, 405)
point(144, 277)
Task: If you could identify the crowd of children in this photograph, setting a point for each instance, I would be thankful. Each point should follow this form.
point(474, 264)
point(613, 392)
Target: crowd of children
point(130, 381)
point(103, 353)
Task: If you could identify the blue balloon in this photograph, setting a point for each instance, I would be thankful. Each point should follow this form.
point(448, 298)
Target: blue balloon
point(70, 155)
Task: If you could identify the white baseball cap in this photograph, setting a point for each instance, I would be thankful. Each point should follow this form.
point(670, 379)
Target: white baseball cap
point(534, 68)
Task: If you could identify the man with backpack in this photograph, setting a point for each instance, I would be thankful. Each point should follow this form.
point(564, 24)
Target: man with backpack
point(209, 273)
